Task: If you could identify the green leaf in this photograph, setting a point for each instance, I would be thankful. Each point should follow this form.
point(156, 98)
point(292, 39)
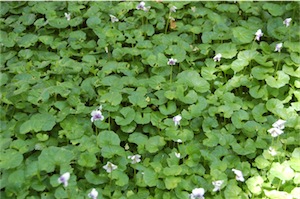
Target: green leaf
point(192, 79)
point(87, 159)
point(155, 143)
point(238, 117)
point(93, 21)
point(54, 156)
point(138, 97)
point(258, 112)
point(261, 73)
point(150, 177)
point(27, 40)
point(121, 178)
point(169, 108)
point(112, 97)
point(242, 35)
point(173, 170)
point(38, 122)
point(95, 179)
point(279, 81)
point(282, 171)
point(255, 184)
point(172, 182)
point(138, 138)
point(128, 115)
point(228, 50)
point(239, 64)
point(274, 9)
point(10, 159)
point(108, 138)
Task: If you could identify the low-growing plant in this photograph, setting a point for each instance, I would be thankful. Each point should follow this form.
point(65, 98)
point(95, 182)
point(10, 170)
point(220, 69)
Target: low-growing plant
point(150, 99)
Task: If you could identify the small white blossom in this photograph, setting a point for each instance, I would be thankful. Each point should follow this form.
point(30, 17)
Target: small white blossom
point(278, 47)
point(272, 151)
point(68, 16)
point(217, 57)
point(177, 119)
point(64, 178)
point(179, 141)
point(279, 124)
point(217, 185)
point(258, 34)
point(193, 9)
point(238, 175)
point(113, 18)
point(109, 167)
point(287, 22)
point(197, 193)
point(173, 9)
point(93, 194)
point(97, 114)
point(172, 61)
point(178, 155)
point(275, 132)
point(135, 158)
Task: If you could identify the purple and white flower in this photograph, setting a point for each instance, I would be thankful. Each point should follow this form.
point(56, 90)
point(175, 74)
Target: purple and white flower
point(258, 34)
point(172, 61)
point(287, 22)
point(109, 167)
point(217, 185)
point(93, 194)
point(64, 178)
point(135, 158)
point(197, 193)
point(141, 6)
point(177, 119)
point(97, 115)
point(238, 175)
point(217, 57)
point(278, 47)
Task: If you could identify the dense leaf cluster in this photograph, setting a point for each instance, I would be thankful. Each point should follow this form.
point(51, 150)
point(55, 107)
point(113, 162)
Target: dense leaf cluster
point(55, 72)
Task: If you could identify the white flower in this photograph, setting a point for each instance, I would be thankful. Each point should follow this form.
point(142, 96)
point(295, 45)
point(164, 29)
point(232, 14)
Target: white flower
point(238, 175)
point(64, 178)
point(97, 115)
point(197, 193)
point(172, 61)
point(275, 132)
point(217, 57)
point(109, 167)
point(173, 9)
point(193, 9)
point(272, 151)
point(179, 141)
point(177, 119)
point(93, 194)
point(177, 155)
point(113, 18)
point(279, 124)
point(258, 34)
point(278, 47)
point(287, 21)
point(217, 185)
point(68, 16)
point(135, 158)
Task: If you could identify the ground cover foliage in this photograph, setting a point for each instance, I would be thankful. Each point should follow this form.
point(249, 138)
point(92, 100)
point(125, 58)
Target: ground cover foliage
point(62, 60)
